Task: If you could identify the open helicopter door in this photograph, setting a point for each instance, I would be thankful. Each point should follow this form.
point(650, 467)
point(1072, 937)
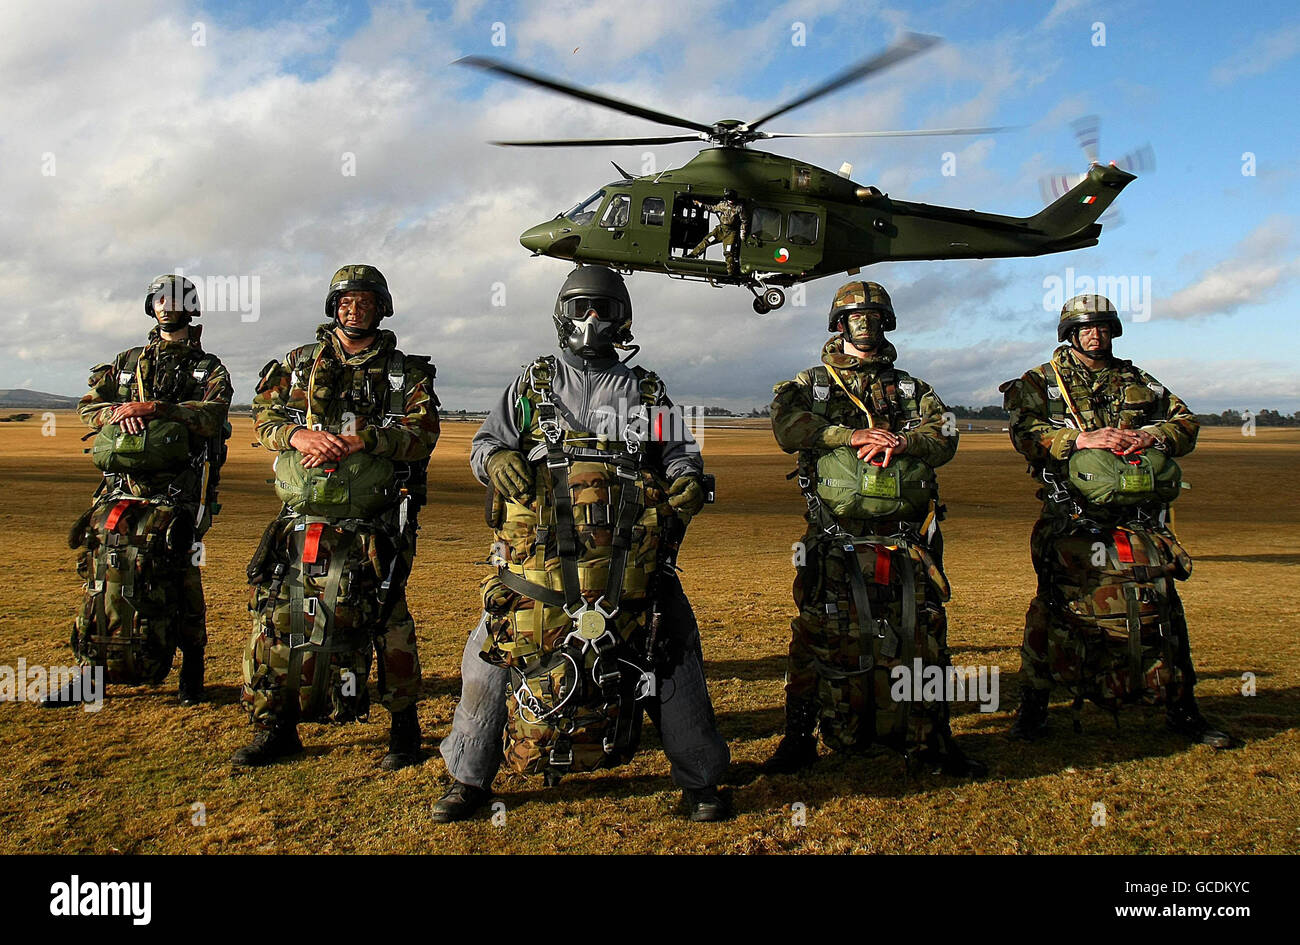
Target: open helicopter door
point(690, 224)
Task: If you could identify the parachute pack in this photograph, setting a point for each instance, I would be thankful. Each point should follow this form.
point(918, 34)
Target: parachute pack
point(1119, 633)
point(876, 607)
point(1106, 480)
point(359, 486)
point(162, 446)
point(851, 488)
point(134, 553)
point(569, 607)
point(316, 596)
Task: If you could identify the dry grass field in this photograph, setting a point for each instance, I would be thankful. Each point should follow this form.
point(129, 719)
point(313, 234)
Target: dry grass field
point(125, 778)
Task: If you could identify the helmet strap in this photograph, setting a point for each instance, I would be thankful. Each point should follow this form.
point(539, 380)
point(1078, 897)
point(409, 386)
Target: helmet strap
point(358, 334)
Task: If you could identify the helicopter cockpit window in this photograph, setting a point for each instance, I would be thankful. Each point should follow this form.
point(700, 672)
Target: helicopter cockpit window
point(583, 212)
point(618, 211)
point(652, 211)
point(766, 224)
point(803, 228)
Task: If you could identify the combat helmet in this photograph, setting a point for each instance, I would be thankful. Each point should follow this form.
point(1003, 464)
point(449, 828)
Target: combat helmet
point(1087, 310)
point(173, 286)
point(587, 288)
point(862, 297)
point(359, 278)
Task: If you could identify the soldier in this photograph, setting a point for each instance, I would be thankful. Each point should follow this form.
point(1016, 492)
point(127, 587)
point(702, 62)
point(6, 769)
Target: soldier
point(353, 421)
point(550, 434)
point(1085, 404)
point(732, 228)
point(160, 415)
point(870, 588)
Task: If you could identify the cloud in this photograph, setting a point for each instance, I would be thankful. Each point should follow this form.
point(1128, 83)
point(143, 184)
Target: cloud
point(1259, 266)
point(1269, 49)
point(1061, 9)
point(1234, 384)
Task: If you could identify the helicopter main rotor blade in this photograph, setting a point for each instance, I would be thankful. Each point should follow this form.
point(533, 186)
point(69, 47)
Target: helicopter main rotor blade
point(573, 91)
point(889, 134)
point(598, 142)
point(909, 46)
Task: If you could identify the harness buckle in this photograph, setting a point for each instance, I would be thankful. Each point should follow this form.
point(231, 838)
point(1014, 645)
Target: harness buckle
point(605, 678)
point(562, 755)
point(550, 428)
point(309, 606)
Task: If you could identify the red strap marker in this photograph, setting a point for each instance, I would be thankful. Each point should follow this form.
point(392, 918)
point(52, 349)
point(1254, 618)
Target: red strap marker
point(882, 565)
point(311, 544)
point(1123, 547)
point(110, 523)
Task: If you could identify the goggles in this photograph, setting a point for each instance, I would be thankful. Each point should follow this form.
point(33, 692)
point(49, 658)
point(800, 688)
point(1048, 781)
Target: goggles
point(606, 309)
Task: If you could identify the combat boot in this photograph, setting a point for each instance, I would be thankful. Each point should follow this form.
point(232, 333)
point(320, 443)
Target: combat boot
point(1031, 717)
point(189, 690)
point(1184, 717)
point(271, 744)
point(403, 741)
point(798, 748)
point(459, 802)
point(706, 805)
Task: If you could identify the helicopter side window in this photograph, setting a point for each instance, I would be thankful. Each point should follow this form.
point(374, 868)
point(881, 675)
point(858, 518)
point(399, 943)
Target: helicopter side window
point(766, 224)
point(652, 211)
point(803, 228)
point(618, 211)
point(583, 212)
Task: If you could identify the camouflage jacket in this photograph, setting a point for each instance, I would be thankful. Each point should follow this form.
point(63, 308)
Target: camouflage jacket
point(1121, 395)
point(189, 385)
point(730, 213)
point(350, 393)
point(812, 414)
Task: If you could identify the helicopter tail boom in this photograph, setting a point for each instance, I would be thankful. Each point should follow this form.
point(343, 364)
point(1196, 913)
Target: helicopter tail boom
point(1073, 217)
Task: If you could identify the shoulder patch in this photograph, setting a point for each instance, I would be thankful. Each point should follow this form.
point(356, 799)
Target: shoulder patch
point(907, 387)
point(821, 392)
point(1053, 392)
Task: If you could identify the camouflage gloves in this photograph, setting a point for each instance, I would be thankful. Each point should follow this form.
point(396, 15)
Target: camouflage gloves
point(686, 496)
point(510, 474)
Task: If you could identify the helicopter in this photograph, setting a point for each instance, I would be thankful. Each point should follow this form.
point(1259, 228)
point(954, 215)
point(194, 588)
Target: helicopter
point(804, 222)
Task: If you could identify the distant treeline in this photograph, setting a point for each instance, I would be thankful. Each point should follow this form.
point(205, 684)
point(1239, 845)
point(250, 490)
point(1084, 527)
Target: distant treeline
point(979, 413)
point(1264, 418)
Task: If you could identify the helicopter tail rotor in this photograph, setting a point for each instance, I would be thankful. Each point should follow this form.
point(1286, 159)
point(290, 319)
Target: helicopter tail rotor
point(1087, 133)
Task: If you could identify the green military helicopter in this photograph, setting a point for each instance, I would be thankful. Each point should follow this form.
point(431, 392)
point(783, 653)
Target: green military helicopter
point(805, 222)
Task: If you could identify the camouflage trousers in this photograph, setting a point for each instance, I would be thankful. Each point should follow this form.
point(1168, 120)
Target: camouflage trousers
point(729, 237)
point(343, 678)
point(194, 618)
point(1041, 621)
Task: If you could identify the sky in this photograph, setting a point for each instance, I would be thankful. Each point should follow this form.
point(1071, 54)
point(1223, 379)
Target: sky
point(262, 145)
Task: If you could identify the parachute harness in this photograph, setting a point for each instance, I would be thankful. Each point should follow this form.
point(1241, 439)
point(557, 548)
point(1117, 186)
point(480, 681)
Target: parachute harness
point(591, 622)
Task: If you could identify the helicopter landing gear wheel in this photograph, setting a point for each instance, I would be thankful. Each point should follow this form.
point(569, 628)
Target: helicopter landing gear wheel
point(773, 298)
point(761, 307)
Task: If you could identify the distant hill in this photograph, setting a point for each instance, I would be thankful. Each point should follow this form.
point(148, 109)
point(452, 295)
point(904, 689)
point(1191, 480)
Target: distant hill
point(35, 398)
